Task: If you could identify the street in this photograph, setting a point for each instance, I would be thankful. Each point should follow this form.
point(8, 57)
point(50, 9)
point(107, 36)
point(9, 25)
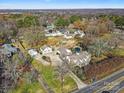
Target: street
point(102, 83)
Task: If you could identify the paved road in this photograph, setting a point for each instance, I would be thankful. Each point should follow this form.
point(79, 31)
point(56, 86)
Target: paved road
point(117, 87)
point(102, 83)
point(112, 87)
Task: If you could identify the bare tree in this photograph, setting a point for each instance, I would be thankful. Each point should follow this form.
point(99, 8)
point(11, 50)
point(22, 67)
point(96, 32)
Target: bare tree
point(99, 47)
point(61, 71)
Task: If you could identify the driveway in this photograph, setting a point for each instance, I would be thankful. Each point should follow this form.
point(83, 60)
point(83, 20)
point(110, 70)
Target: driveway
point(54, 59)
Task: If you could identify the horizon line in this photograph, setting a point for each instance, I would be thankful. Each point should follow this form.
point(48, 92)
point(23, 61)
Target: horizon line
point(55, 8)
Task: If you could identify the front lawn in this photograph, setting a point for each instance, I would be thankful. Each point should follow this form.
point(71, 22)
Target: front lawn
point(49, 76)
point(28, 88)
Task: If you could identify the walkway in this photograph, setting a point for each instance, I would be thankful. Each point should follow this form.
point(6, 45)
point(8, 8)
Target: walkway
point(80, 84)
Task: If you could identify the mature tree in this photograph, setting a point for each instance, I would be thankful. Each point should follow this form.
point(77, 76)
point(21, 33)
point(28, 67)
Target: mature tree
point(80, 24)
point(60, 22)
point(119, 22)
point(85, 41)
point(61, 71)
point(34, 37)
point(74, 18)
point(20, 23)
point(28, 21)
point(99, 47)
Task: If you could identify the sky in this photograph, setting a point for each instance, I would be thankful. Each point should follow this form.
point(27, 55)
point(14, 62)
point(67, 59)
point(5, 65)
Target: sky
point(60, 4)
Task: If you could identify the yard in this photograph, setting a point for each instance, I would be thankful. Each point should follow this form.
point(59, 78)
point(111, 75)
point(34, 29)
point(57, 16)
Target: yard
point(28, 88)
point(49, 75)
point(118, 52)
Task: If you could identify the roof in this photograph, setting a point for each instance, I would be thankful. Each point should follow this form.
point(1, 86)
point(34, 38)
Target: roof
point(9, 48)
point(64, 51)
point(45, 46)
point(82, 58)
point(32, 52)
point(4, 51)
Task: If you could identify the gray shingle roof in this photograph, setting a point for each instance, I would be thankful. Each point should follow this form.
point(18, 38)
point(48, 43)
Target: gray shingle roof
point(64, 51)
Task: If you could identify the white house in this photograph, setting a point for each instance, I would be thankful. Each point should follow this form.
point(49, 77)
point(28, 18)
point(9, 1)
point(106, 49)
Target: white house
point(32, 52)
point(68, 36)
point(46, 49)
point(54, 33)
point(80, 33)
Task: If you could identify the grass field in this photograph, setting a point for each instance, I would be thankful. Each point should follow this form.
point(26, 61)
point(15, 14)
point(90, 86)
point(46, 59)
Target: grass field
point(49, 76)
point(28, 88)
point(118, 52)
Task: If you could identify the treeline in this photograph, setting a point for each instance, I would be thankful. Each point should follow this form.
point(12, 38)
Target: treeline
point(27, 21)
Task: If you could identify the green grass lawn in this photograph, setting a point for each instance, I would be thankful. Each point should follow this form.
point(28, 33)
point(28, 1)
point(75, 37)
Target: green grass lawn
point(118, 52)
point(28, 88)
point(49, 76)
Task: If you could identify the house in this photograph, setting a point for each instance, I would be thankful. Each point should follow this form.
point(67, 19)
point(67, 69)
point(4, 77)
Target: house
point(79, 59)
point(46, 49)
point(72, 34)
point(62, 30)
point(53, 33)
point(10, 48)
point(117, 31)
point(5, 52)
point(32, 52)
point(50, 27)
point(80, 33)
point(63, 52)
point(68, 35)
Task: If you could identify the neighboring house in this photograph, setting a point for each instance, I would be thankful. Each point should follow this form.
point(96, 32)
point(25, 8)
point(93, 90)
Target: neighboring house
point(49, 30)
point(32, 52)
point(63, 30)
point(53, 33)
point(10, 48)
point(63, 52)
point(5, 52)
point(46, 49)
point(80, 33)
point(68, 35)
point(50, 27)
point(117, 31)
point(79, 59)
